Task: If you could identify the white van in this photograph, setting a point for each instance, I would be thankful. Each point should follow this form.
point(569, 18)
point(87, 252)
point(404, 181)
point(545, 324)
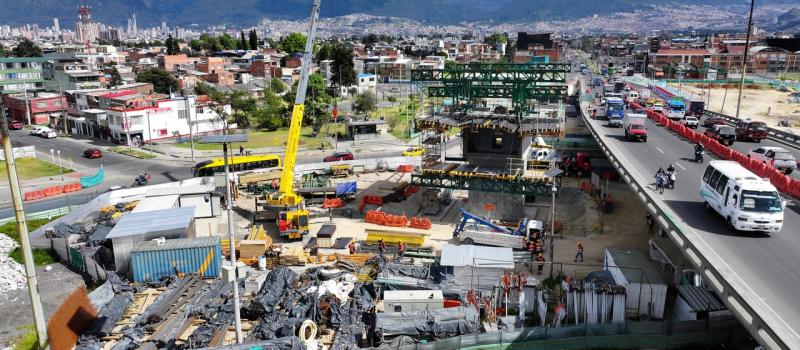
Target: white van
point(632, 95)
point(747, 202)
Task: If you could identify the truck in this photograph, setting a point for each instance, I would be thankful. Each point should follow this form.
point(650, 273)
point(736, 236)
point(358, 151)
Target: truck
point(598, 81)
point(696, 108)
point(474, 229)
point(635, 128)
point(607, 89)
point(676, 108)
point(619, 86)
point(615, 111)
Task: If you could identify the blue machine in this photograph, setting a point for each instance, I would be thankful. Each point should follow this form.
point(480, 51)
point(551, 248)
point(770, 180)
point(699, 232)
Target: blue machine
point(465, 216)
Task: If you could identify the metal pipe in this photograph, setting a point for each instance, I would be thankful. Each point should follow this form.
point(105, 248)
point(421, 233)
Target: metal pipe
point(22, 228)
point(553, 190)
point(27, 104)
point(744, 59)
point(232, 245)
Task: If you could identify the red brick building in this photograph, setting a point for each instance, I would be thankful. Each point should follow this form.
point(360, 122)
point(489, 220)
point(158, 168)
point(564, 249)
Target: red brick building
point(168, 62)
point(45, 108)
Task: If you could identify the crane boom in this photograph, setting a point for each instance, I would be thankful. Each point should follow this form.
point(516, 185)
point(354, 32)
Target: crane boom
point(286, 188)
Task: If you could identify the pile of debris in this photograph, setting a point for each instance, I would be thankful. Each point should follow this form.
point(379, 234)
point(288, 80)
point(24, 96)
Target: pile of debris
point(12, 274)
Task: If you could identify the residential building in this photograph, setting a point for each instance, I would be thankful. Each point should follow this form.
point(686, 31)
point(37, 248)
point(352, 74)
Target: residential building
point(686, 57)
point(168, 62)
point(67, 72)
point(20, 74)
point(45, 108)
point(366, 82)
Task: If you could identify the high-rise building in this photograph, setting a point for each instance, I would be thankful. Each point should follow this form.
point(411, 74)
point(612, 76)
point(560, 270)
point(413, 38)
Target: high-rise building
point(133, 23)
point(86, 30)
point(164, 29)
point(56, 27)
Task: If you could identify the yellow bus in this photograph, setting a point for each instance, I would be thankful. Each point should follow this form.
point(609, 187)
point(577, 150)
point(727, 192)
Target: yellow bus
point(237, 164)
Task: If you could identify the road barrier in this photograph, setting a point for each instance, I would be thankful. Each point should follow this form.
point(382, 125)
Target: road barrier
point(405, 168)
point(784, 183)
point(51, 191)
point(332, 203)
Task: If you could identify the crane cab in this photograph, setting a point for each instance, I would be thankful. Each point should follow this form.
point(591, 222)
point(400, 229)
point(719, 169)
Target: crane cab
point(293, 224)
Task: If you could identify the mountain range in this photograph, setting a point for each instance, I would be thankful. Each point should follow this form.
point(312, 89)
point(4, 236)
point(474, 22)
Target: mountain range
point(250, 12)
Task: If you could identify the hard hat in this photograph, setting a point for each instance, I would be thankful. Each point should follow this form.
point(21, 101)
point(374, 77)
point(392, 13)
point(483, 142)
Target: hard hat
point(540, 254)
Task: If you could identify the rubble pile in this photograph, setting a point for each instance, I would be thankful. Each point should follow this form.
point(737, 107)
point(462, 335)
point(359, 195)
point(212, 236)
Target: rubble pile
point(12, 273)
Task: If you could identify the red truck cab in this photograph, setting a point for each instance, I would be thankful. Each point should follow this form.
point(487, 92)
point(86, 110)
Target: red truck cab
point(636, 132)
point(751, 130)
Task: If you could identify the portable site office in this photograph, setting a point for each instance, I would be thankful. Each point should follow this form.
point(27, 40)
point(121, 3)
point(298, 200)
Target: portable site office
point(646, 290)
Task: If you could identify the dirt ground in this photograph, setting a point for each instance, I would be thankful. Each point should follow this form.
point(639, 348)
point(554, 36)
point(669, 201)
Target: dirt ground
point(575, 209)
point(765, 104)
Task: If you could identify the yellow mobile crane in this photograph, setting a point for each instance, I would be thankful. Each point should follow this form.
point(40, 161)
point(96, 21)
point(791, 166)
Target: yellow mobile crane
point(292, 215)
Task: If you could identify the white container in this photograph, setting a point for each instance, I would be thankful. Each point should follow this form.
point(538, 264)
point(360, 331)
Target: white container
point(645, 288)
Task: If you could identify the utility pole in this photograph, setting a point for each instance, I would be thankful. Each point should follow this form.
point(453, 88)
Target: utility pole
point(744, 59)
point(189, 118)
point(27, 104)
point(553, 190)
point(22, 228)
point(232, 244)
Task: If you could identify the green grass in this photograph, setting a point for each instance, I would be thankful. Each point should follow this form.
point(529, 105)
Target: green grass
point(40, 256)
point(27, 341)
point(131, 152)
point(277, 138)
point(397, 117)
point(32, 168)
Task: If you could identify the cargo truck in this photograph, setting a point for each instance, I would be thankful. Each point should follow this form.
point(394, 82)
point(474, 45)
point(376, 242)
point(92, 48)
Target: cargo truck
point(608, 89)
point(635, 128)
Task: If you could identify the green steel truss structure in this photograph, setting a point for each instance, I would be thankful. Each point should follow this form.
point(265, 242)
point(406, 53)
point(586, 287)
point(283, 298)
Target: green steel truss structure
point(522, 83)
point(518, 186)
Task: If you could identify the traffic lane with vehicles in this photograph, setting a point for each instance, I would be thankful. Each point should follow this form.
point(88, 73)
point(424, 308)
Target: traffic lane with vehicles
point(768, 264)
point(745, 147)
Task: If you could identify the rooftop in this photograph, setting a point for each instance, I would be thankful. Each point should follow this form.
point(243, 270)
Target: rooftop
point(477, 256)
point(152, 221)
point(635, 265)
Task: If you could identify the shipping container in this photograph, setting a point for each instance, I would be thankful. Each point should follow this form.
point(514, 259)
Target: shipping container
point(645, 288)
point(151, 261)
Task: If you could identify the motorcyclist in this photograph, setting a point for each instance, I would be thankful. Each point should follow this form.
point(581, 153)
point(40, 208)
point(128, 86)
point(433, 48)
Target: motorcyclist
point(699, 150)
point(670, 176)
point(670, 169)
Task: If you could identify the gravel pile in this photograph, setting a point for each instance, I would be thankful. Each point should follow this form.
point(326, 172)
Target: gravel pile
point(12, 274)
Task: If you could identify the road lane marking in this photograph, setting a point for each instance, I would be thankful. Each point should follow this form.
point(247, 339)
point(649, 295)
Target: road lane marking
point(681, 166)
point(659, 149)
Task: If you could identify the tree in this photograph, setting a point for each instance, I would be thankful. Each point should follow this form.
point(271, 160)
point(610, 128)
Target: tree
point(3, 51)
point(172, 45)
point(196, 45)
point(317, 101)
point(26, 48)
point(242, 44)
point(369, 40)
point(210, 43)
point(293, 43)
point(365, 102)
point(497, 38)
point(276, 85)
point(343, 73)
point(163, 82)
point(253, 39)
point(325, 52)
point(227, 41)
point(269, 117)
point(116, 78)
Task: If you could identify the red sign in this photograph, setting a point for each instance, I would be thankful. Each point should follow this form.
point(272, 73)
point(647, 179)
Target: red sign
point(488, 207)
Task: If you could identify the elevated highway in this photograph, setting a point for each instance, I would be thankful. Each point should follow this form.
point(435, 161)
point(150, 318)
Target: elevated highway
point(756, 275)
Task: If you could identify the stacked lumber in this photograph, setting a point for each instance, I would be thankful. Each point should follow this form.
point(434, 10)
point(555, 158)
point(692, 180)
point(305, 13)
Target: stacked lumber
point(294, 256)
point(252, 248)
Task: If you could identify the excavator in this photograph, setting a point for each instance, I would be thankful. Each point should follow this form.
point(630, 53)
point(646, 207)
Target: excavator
point(292, 215)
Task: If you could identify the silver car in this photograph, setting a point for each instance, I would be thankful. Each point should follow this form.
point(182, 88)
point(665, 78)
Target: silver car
point(779, 158)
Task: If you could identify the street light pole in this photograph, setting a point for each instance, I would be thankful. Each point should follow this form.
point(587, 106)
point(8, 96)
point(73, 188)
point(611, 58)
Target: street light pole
point(553, 191)
point(744, 58)
point(22, 228)
point(60, 168)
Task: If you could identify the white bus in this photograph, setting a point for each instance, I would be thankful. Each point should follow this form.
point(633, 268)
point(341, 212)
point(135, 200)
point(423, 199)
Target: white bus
point(747, 202)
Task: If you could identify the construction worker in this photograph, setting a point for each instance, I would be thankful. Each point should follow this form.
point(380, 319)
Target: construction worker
point(274, 185)
point(539, 249)
point(540, 260)
point(352, 247)
point(580, 252)
point(241, 150)
point(401, 249)
point(382, 246)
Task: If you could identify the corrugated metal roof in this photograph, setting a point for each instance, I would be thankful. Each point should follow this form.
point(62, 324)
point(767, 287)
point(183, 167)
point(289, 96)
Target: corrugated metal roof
point(699, 299)
point(477, 256)
point(181, 243)
point(156, 203)
point(152, 221)
point(635, 265)
point(185, 189)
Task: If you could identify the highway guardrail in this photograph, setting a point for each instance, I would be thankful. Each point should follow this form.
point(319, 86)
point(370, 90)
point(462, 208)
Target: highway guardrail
point(760, 319)
point(783, 137)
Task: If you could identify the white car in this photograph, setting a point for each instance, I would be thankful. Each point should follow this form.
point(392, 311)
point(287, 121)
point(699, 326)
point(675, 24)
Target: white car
point(49, 134)
point(779, 158)
point(39, 129)
point(690, 122)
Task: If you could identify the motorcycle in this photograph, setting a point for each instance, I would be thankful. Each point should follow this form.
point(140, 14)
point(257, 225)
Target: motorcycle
point(698, 156)
point(141, 180)
point(671, 180)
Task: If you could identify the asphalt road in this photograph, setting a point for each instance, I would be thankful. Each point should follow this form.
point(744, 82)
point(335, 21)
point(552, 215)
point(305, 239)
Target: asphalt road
point(121, 170)
point(768, 263)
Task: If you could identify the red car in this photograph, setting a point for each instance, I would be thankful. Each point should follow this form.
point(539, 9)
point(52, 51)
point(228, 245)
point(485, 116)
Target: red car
point(93, 153)
point(751, 130)
point(338, 156)
point(15, 125)
point(711, 121)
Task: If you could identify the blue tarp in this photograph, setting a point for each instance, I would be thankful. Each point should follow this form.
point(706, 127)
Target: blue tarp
point(93, 180)
point(345, 188)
